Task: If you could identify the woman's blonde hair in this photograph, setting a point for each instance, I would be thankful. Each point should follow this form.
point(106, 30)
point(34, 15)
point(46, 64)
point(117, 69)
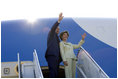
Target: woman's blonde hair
point(61, 34)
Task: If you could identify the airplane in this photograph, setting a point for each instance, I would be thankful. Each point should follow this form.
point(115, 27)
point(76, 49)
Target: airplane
point(23, 47)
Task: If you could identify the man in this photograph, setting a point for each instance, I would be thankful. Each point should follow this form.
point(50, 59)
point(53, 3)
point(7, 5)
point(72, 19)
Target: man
point(52, 55)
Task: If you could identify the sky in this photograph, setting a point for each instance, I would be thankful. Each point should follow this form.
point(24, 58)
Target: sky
point(33, 9)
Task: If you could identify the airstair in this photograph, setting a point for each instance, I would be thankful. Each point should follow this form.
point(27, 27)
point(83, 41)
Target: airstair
point(30, 70)
point(86, 66)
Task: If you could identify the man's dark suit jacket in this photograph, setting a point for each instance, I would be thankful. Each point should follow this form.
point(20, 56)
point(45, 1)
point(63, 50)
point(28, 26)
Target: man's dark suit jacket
point(53, 48)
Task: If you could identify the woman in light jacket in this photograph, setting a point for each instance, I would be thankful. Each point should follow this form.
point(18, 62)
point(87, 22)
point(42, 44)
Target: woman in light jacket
point(67, 54)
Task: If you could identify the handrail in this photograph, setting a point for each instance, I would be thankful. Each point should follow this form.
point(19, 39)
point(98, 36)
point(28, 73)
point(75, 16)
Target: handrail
point(87, 54)
point(37, 67)
point(93, 61)
point(19, 66)
point(81, 71)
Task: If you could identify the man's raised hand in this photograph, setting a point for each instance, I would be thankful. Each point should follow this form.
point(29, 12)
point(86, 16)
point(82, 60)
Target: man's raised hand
point(60, 17)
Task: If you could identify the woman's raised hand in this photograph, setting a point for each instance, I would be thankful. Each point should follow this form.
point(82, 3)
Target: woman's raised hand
point(83, 36)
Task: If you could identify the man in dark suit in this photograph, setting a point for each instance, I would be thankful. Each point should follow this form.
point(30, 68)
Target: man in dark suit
point(52, 55)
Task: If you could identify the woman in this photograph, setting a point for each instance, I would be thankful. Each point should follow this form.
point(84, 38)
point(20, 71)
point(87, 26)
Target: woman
point(67, 53)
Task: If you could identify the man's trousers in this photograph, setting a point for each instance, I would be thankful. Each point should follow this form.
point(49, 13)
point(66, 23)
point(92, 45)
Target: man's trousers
point(53, 64)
